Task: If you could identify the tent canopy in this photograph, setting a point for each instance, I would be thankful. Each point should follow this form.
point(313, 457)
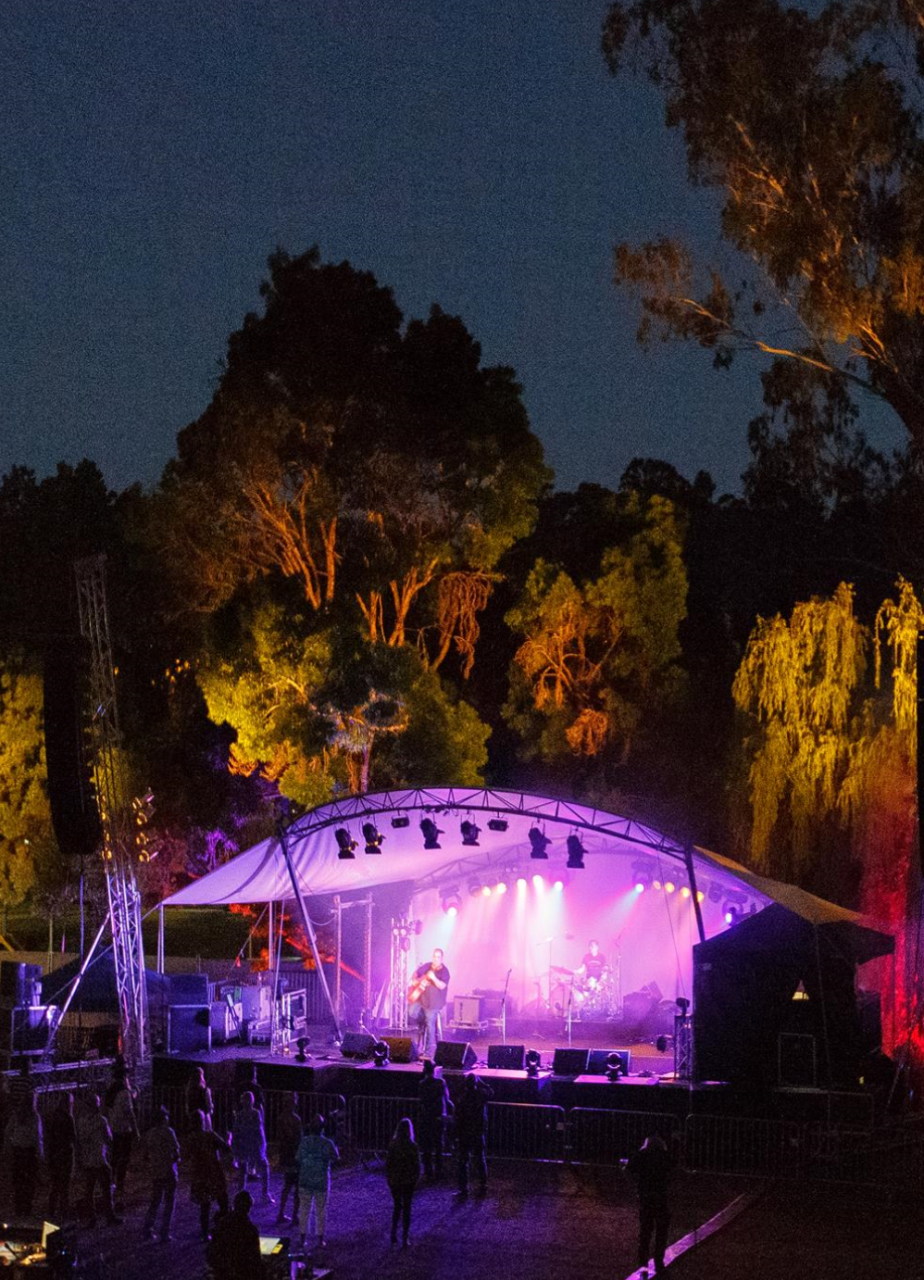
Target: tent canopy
point(260, 874)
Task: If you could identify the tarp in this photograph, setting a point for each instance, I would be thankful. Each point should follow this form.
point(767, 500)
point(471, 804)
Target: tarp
point(97, 991)
point(260, 874)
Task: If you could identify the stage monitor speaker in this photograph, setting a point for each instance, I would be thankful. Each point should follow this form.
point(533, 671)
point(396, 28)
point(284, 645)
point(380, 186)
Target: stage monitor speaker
point(569, 1062)
point(401, 1048)
point(455, 1055)
point(597, 1064)
point(357, 1044)
point(189, 1028)
point(506, 1057)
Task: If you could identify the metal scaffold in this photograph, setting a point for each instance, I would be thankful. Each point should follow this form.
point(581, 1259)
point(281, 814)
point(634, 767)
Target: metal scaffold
point(119, 846)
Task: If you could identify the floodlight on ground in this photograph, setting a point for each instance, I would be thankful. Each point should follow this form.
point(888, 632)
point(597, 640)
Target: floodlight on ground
point(470, 834)
point(431, 833)
point(372, 838)
point(575, 854)
point(380, 1053)
point(538, 843)
point(614, 1067)
point(345, 843)
point(533, 1062)
point(301, 1045)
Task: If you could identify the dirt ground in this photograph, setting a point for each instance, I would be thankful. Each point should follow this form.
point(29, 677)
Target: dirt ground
point(552, 1222)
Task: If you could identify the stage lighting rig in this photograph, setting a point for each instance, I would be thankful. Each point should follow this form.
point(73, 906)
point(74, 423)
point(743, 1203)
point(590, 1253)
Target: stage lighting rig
point(538, 843)
point(641, 876)
point(474, 887)
point(372, 838)
point(400, 822)
point(451, 901)
point(470, 834)
point(431, 833)
point(575, 853)
point(497, 824)
point(614, 1067)
point(346, 843)
point(533, 1063)
point(380, 1053)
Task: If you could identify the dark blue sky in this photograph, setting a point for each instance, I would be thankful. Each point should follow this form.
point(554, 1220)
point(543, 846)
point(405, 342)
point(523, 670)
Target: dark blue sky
point(476, 155)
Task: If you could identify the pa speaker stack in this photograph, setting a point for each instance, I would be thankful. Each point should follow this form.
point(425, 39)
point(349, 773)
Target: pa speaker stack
point(454, 1055)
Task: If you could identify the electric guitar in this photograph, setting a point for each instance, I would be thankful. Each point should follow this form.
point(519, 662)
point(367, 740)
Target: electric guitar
point(419, 986)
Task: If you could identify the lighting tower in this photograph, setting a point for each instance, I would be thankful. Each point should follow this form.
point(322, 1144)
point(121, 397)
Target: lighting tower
point(118, 846)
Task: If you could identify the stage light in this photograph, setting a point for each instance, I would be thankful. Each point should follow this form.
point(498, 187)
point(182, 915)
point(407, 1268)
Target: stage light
point(656, 884)
point(614, 1067)
point(486, 891)
point(522, 882)
point(700, 896)
point(715, 893)
point(451, 900)
point(575, 854)
point(452, 910)
point(539, 881)
point(558, 886)
point(538, 842)
point(302, 1045)
point(533, 1063)
point(684, 891)
point(731, 915)
point(380, 1053)
point(669, 886)
point(474, 887)
point(642, 873)
point(470, 834)
point(497, 824)
point(501, 886)
point(345, 842)
point(431, 833)
point(400, 823)
point(372, 838)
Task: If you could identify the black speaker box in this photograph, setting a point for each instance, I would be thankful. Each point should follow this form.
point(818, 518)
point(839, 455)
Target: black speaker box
point(401, 1048)
point(357, 1044)
point(189, 988)
point(506, 1057)
point(20, 983)
point(597, 1064)
point(189, 1028)
point(71, 798)
point(454, 1055)
point(569, 1062)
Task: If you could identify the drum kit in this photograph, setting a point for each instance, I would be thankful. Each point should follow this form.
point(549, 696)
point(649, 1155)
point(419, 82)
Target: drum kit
point(593, 997)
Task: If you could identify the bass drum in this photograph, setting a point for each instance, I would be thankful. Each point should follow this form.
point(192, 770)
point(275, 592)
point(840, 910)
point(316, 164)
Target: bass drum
point(597, 1002)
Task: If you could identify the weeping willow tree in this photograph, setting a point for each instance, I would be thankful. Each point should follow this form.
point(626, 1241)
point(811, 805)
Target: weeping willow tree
point(830, 708)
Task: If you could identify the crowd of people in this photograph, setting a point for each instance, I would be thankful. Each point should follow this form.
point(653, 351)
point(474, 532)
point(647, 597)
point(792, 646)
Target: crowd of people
point(94, 1142)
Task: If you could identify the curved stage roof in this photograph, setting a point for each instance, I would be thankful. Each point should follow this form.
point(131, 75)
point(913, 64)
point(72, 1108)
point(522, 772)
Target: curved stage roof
point(260, 874)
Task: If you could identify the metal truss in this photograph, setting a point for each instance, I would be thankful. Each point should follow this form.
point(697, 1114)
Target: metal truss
point(118, 848)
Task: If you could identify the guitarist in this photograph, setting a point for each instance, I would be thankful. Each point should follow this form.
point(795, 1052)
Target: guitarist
point(431, 982)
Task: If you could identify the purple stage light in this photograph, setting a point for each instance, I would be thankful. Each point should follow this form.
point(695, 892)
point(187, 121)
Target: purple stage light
point(558, 886)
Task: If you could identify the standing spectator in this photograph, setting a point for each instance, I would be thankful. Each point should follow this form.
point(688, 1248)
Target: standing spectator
point(94, 1139)
point(124, 1126)
point(253, 1087)
point(471, 1128)
point(290, 1133)
point(434, 1106)
point(23, 1141)
point(60, 1142)
point(248, 1142)
point(204, 1150)
point(198, 1098)
point(234, 1253)
point(651, 1166)
point(163, 1153)
point(402, 1171)
point(315, 1156)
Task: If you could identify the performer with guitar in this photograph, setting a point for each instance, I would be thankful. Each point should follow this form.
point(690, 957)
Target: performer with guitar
point(428, 991)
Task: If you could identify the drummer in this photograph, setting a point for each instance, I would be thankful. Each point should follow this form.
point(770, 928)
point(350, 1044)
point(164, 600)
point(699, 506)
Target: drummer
point(593, 967)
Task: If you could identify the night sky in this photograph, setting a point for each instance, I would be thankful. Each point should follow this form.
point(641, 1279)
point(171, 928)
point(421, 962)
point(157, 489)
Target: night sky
point(477, 155)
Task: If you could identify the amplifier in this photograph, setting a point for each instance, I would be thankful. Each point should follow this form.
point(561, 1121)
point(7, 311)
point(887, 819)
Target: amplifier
point(467, 1011)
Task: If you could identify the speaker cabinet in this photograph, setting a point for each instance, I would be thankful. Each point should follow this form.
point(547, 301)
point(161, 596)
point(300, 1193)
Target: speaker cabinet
point(597, 1064)
point(401, 1048)
point(189, 988)
point(506, 1057)
point(357, 1044)
point(454, 1056)
point(569, 1062)
point(797, 1061)
point(189, 1028)
point(20, 984)
point(467, 1011)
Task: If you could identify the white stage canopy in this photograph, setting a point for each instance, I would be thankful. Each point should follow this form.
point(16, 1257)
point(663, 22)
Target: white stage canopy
point(260, 874)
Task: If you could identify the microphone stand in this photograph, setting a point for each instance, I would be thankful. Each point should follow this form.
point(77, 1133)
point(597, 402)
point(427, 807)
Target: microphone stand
point(568, 1018)
point(504, 1008)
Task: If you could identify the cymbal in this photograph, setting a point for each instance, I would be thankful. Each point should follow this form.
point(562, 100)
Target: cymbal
point(559, 968)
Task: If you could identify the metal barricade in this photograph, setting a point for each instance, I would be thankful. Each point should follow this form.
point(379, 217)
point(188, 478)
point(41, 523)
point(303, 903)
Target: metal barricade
point(526, 1131)
point(883, 1159)
point(372, 1121)
point(741, 1145)
point(604, 1137)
